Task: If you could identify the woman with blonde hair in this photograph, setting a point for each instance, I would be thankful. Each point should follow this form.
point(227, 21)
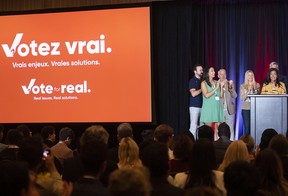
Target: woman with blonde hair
point(250, 86)
point(236, 151)
point(128, 153)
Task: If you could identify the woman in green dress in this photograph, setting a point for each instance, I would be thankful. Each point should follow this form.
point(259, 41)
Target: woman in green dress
point(212, 111)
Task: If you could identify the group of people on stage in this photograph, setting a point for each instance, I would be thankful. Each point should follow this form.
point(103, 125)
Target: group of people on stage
point(211, 101)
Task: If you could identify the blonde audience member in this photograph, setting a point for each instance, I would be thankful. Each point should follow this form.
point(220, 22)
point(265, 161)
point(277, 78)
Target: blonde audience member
point(250, 86)
point(237, 150)
point(250, 143)
point(128, 153)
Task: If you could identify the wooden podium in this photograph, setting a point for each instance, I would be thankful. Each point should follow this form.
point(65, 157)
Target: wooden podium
point(268, 111)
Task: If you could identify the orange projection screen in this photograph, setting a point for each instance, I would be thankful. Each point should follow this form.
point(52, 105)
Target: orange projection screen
point(83, 66)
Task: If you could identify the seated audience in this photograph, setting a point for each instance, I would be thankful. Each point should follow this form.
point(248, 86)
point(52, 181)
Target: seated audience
point(236, 151)
point(205, 131)
point(93, 157)
point(14, 180)
point(2, 146)
point(136, 182)
point(202, 170)
point(182, 147)
point(250, 143)
point(271, 179)
point(123, 130)
point(61, 150)
point(280, 145)
point(266, 136)
point(25, 130)
point(164, 134)
point(241, 178)
point(156, 159)
point(48, 135)
point(222, 143)
point(147, 134)
point(128, 153)
point(201, 191)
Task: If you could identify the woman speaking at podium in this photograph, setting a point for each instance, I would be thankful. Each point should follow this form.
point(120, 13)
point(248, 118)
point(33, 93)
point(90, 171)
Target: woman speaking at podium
point(273, 86)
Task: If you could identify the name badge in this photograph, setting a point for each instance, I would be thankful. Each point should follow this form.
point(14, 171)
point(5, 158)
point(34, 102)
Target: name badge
point(217, 98)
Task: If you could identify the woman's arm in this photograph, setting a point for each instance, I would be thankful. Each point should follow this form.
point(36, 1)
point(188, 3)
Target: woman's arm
point(205, 91)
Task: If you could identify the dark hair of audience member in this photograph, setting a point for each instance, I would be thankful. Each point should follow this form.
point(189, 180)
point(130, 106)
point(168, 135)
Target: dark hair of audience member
point(203, 161)
point(155, 158)
point(46, 131)
point(205, 131)
point(143, 145)
point(14, 178)
point(241, 178)
point(182, 147)
point(1, 132)
point(147, 134)
point(93, 155)
point(224, 130)
point(136, 182)
point(190, 135)
point(163, 133)
point(266, 137)
point(124, 130)
point(25, 130)
point(201, 191)
point(14, 137)
point(271, 173)
point(31, 151)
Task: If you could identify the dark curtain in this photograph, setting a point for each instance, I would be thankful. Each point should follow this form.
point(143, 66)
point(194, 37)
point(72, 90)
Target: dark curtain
point(237, 36)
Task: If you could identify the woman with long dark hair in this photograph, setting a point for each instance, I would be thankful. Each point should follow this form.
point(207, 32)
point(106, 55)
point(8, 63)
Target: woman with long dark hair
point(272, 84)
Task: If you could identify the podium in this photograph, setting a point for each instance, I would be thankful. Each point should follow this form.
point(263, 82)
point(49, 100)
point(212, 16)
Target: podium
point(268, 111)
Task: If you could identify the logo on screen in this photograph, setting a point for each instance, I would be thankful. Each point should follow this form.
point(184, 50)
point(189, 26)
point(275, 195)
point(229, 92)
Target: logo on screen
point(44, 49)
point(42, 88)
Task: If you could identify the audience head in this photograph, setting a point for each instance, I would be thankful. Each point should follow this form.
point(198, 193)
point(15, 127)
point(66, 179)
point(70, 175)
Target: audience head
point(129, 182)
point(31, 151)
point(124, 130)
point(279, 144)
point(66, 135)
point(25, 130)
point(48, 133)
point(206, 131)
point(93, 156)
point(270, 169)
point(237, 150)
point(267, 135)
point(163, 133)
point(155, 158)
point(15, 179)
point(274, 65)
point(224, 130)
point(14, 137)
point(1, 132)
point(190, 135)
point(241, 178)
point(249, 141)
point(147, 134)
point(128, 153)
point(94, 133)
point(182, 147)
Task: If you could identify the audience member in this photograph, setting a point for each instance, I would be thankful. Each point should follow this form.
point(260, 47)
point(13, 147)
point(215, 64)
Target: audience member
point(136, 182)
point(48, 180)
point(206, 132)
point(164, 134)
point(25, 130)
point(237, 150)
point(128, 153)
point(250, 86)
point(48, 135)
point(14, 180)
point(266, 136)
point(272, 181)
point(241, 179)
point(123, 130)
point(61, 150)
point(182, 148)
point(155, 158)
point(2, 146)
point(227, 103)
point(201, 191)
point(147, 134)
point(73, 167)
point(13, 140)
point(280, 145)
point(212, 90)
point(93, 157)
point(190, 135)
point(250, 143)
point(222, 143)
point(202, 170)
point(195, 98)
